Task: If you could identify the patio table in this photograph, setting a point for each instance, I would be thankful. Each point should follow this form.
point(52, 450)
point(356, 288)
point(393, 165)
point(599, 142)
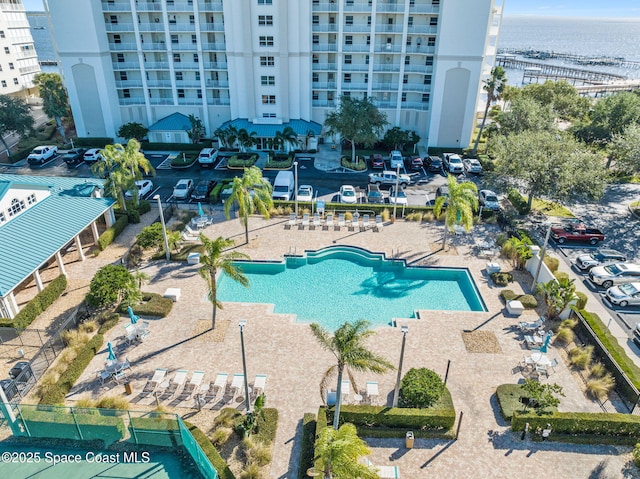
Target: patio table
point(541, 359)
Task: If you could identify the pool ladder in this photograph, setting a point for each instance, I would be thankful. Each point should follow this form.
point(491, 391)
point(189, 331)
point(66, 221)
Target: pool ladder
point(295, 249)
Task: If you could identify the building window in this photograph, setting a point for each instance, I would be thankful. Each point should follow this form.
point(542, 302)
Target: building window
point(15, 81)
point(265, 2)
point(314, 95)
point(199, 92)
point(267, 61)
point(180, 93)
point(347, 77)
point(16, 207)
point(348, 20)
point(316, 39)
point(330, 96)
point(404, 96)
point(428, 61)
point(431, 41)
point(366, 78)
point(369, 20)
point(408, 41)
point(31, 199)
point(113, 19)
point(194, 39)
point(410, 21)
point(407, 60)
point(120, 57)
point(3, 218)
point(123, 76)
point(117, 39)
point(348, 40)
point(433, 21)
point(196, 59)
point(6, 50)
point(2, 34)
point(176, 58)
point(315, 58)
point(179, 76)
point(366, 59)
point(268, 80)
point(172, 20)
point(192, 19)
point(3, 83)
point(266, 41)
point(405, 79)
point(425, 98)
point(197, 76)
point(427, 79)
point(349, 2)
point(347, 94)
point(435, 2)
point(368, 39)
point(348, 59)
point(268, 115)
point(265, 20)
point(11, 67)
point(174, 39)
point(268, 99)
point(316, 19)
point(412, 3)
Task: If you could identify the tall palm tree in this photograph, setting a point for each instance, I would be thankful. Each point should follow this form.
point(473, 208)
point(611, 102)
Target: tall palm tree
point(246, 139)
point(347, 345)
point(135, 161)
point(215, 259)
point(118, 179)
point(338, 453)
point(558, 294)
point(251, 192)
point(463, 201)
point(287, 138)
point(493, 86)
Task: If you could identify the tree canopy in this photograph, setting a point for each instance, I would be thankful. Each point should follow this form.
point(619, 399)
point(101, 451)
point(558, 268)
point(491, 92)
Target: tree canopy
point(494, 87)
point(526, 114)
point(338, 453)
point(564, 100)
point(356, 121)
point(625, 150)
point(462, 202)
point(133, 130)
point(610, 116)
point(112, 284)
point(55, 101)
point(396, 138)
point(14, 118)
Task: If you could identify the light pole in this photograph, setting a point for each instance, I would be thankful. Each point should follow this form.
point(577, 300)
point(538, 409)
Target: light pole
point(395, 203)
point(164, 228)
point(396, 394)
point(242, 324)
point(295, 176)
point(542, 252)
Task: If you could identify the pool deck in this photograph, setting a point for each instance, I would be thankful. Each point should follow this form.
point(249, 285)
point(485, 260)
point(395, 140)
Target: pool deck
point(294, 362)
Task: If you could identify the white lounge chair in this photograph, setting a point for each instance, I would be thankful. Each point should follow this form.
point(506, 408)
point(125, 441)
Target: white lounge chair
point(372, 392)
point(131, 333)
point(379, 223)
point(236, 384)
point(142, 329)
point(305, 220)
point(530, 327)
point(259, 384)
point(365, 222)
point(192, 385)
point(218, 387)
point(155, 381)
point(177, 382)
point(341, 221)
point(293, 219)
point(316, 220)
point(345, 390)
point(329, 221)
point(355, 221)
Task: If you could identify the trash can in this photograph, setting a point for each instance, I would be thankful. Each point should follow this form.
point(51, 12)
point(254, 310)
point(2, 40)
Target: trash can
point(127, 387)
point(408, 440)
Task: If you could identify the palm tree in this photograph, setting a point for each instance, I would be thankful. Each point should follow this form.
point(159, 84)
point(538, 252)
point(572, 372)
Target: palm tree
point(494, 86)
point(287, 138)
point(251, 192)
point(117, 178)
point(136, 162)
point(347, 345)
point(197, 131)
point(463, 201)
point(215, 259)
point(338, 453)
point(558, 294)
point(246, 139)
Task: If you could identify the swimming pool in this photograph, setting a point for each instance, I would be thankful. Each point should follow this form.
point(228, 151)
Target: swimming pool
point(340, 283)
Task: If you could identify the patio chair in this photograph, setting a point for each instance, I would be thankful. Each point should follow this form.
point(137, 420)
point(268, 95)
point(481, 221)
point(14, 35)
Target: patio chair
point(176, 383)
point(329, 221)
point(305, 220)
point(103, 376)
point(341, 221)
point(530, 327)
point(345, 390)
point(142, 330)
point(372, 392)
point(236, 384)
point(316, 220)
point(379, 223)
point(293, 219)
point(542, 369)
point(155, 381)
point(355, 221)
point(554, 363)
point(191, 386)
point(259, 384)
point(365, 222)
point(384, 472)
point(131, 333)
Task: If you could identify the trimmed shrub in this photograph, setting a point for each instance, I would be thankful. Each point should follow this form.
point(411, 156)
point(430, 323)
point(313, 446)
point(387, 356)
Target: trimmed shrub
point(636, 455)
point(507, 295)
point(527, 300)
point(107, 322)
point(561, 275)
point(152, 304)
point(266, 425)
point(307, 449)
point(582, 300)
point(133, 215)
point(421, 388)
point(513, 399)
point(37, 305)
point(599, 388)
point(552, 263)
point(110, 285)
point(502, 278)
point(212, 453)
point(518, 201)
point(242, 160)
point(112, 232)
point(144, 206)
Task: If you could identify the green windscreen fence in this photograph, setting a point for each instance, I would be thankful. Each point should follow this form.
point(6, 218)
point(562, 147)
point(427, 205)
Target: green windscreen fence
point(110, 426)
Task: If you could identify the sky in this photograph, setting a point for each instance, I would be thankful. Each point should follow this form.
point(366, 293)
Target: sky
point(573, 8)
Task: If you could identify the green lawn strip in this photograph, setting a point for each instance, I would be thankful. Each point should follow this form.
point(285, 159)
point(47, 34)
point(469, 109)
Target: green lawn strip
point(550, 208)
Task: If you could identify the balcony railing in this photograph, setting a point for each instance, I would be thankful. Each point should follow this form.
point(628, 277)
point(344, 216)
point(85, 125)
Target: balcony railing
point(148, 27)
point(356, 47)
point(415, 105)
point(156, 65)
point(116, 6)
point(126, 66)
point(186, 65)
point(217, 84)
point(176, 47)
point(324, 103)
point(180, 7)
point(138, 100)
point(29, 69)
point(389, 7)
point(212, 27)
point(424, 9)
point(128, 83)
point(388, 48)
point(323, 66)
point(161, 101)
point(325, 47)
point(182, 27)
point(422, 29)
point(354, 86)
point(158, 46)
point(159, 83)
point(210, 6)
point(418, 68)
point(121, 47)
point(355, 67)
point(147, 7)
point(325, 7)
point(327, 85)
point(188, 84)
point(357, 28)
point(386, 28)
point(119, 27)
point(324, 27)
point(386, 67)
point(218, 101)
point(213, 46)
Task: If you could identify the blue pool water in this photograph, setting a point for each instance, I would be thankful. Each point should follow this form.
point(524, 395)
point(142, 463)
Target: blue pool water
point(341, 284)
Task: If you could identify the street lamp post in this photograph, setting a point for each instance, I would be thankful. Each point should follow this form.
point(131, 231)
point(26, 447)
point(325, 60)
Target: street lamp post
point(295, 176)
point(395, 203)
point(396, 394)
point(542, 252)
point(164, 228)
point(242, 324)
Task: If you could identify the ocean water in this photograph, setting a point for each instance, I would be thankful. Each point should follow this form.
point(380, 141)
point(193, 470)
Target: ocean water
point(605, 37)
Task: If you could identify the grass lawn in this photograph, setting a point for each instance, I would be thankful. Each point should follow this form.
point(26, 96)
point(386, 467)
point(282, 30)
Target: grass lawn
point(550, 208)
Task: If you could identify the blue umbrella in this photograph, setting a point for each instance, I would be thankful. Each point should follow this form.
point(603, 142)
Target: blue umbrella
point(200, 210)
point(547, 339)
point(112, 355)
point(132, 317)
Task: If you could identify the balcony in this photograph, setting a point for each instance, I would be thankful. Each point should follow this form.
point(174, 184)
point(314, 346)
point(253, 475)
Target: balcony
point(212, 27)
point(215, 65)
point(182, 27)
point(386, 28)
point(116, 6)
point(11, 7)
point(180, 7)
point(325, 27)
point(23, 54)
point(190, 101)
point(422, 29)
point(210, 6)
point(388, 48)
point(325, 47)
point(217, 84)
point(149, 27)
point(147, 7)
point(324, 66)
point(418, 68)
point(161, 101)
point(118, 27)
point(128, 83)
point(324, 103)
point(327, 85)
point(176, 47)
point(424, 9)
point(118, 66)
point(213, 46)
point(122, 47)
point(159, 83)
point(188, 84)
point(186, 65)
point(390, 7)
point(151, 46)
point(355, 67)
point(356, 47)
point(353, 86)
point(156, 65)
point(379, 86)
point(359, 28)
point(29, 69)
point(359, 7)
point(219, 101)
point(416, 87)
point(386, 67)
point(415, 105)
point(325, 7)
point(132, 101)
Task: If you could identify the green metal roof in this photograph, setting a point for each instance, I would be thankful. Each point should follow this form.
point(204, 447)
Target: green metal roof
point(301, 127)
point(35, 235)
point(173, 122)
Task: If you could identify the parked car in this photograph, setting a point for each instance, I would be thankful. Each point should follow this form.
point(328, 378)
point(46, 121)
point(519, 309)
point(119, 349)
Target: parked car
point(305, 193)
point(434, 163)
point(414, 163)
point(42, 154)
point(376, 161)
point(453, 164)
point(202, 190)
point(207, 157)
point(92, 155)
point(74, 156)
point(182, 189)
point(348, 194)
point(374, 195)
point(576, 232)
point(624, 295)
point(389, 178)
point(585, 262)
point(400, 198)
point(615, 273)
point(472, 165)
point(443, 190)
point(489, 200)
point(144, 188)
point(396, 160)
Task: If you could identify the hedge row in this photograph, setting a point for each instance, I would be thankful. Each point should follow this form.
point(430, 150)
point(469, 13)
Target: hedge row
point(360, 207)
point(153, 305)
point(97, 142)
point(527, 300)
point(307, 448)
point(212, 453)
point(214, 196)
point(518, 201)
point(266, 426)
point(24, 150)
point(510, 400)
point(112, 232)
point(624, 427)
point(37, 305)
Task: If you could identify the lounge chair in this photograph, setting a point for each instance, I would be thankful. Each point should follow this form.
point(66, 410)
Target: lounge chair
point(176, 383)
point(305, 220)
point(131, 333)
point(384, 472)
point(329, 221)
point(218, 387)
point(554, 363)
point(259, 384)
point(345, 390)
point(355, 221)
point(379, 223)
point(155, 381)
point(316, 220)
point(529, 327)
point(236, 384)
point(341, 221)
point(542, 369)
point(142, 330)
point(365, 222)
point(293, 219)
point(372, 392)
point(192, 385)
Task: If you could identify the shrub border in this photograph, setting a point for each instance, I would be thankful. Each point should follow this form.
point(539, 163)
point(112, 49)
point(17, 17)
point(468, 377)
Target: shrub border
point(112, 232)
point(37, 305)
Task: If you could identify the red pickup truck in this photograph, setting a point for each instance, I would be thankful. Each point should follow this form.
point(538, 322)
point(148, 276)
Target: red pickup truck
point(576, 232)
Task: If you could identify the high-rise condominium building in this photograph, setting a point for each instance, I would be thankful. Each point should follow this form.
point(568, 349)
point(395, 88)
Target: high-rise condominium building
point(275, 61)
point(18, 59)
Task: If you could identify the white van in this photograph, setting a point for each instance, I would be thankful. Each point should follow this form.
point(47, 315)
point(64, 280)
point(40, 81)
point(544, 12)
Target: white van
point(283, 186)
point(207, 157)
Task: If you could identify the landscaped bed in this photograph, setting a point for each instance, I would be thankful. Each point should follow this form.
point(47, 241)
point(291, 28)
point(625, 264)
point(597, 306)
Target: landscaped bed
point(242, 160)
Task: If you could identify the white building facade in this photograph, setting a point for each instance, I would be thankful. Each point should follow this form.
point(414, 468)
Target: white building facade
point(18, 58)
point(272, 61)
